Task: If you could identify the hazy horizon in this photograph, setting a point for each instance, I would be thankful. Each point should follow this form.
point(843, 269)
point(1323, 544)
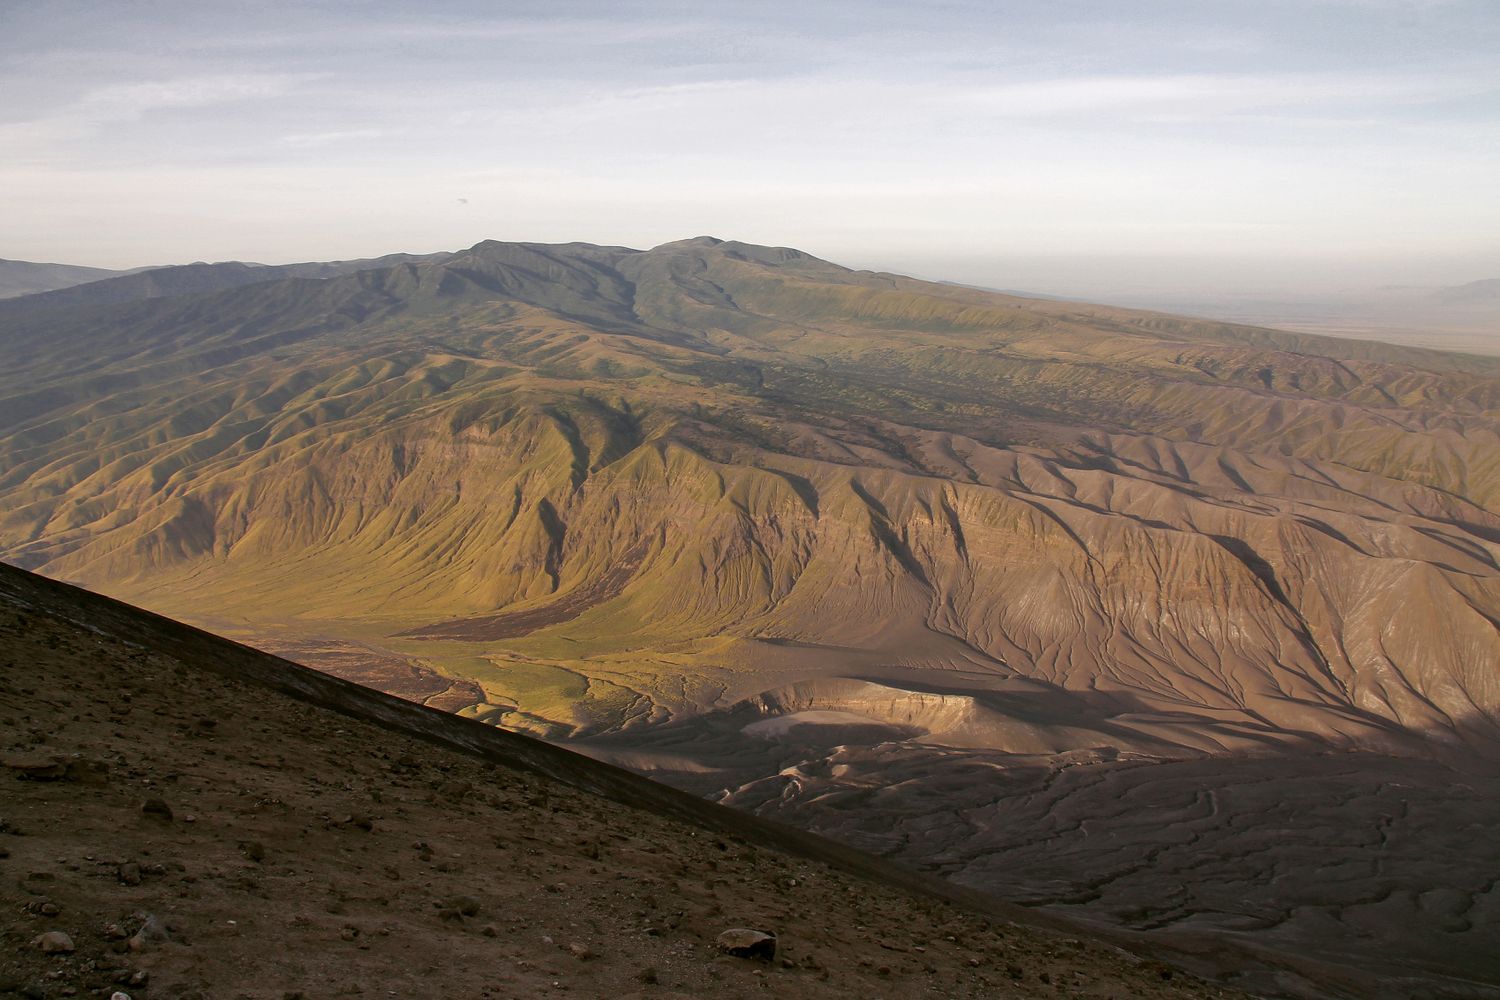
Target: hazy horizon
point(1182, 149)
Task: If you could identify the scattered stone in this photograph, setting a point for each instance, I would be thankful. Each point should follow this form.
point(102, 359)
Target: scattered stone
point(53, 943)
point(115, 932)
point(467, 906)
point(359, 821)
point(151, 929)
point(36, 767)
point(489, 930)
point(580, 951)
point(157, 809)
point(454, 790)
point(117, 995)
point(254, 850)
point(349, 933)
point(129, 873)
point(743, 942)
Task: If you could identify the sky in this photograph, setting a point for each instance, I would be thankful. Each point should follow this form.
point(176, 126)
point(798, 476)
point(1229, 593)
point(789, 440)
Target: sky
point(1089, 147)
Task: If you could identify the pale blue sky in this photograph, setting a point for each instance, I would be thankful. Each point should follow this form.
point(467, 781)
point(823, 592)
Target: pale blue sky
point(1072, 146)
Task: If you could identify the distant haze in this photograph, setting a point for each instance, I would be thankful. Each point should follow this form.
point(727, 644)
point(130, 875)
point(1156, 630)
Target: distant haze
point(1079, 147)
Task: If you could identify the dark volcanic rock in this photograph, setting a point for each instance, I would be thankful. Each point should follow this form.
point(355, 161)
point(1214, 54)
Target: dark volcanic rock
point(743, 942)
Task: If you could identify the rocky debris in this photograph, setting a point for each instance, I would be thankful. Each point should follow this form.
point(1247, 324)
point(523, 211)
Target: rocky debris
point(36, 767)
point(151, 930)
point(157, 809)
point(53, 943)
point(580, 951)
point(743, 942)
point(129, 873)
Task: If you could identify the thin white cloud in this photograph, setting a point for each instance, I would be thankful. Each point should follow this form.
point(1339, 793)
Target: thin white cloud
point(1168, 92)
point(329, 138)
point(130, 101)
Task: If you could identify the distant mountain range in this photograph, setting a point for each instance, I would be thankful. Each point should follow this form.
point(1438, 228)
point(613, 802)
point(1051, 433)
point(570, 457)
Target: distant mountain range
point(20, 277)
point(837, 545)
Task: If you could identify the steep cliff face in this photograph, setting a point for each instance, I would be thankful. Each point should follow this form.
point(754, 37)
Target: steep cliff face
point(682, 477)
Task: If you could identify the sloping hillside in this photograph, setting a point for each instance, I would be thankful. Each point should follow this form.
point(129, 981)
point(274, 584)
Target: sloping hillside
point(24, 277)
point(822, 542)
point(184, 817)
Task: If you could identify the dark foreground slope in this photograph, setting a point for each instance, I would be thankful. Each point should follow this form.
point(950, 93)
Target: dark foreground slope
point(327, 840)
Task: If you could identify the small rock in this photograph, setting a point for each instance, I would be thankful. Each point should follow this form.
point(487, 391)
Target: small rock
point(117, 995)
point(743, 942)
point(454, 790)
point(157, 809)
point(466, 905)
point(48, 910)
point(151, 929)
point(36, 767)
point(53, 943)
point(489, 930)
point(349, 933)
point(580, 951)
point(129, 874)
point(254, 850)
point(360, 821)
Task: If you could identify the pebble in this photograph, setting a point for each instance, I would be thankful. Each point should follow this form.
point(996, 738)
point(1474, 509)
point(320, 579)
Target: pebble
point(53, 943)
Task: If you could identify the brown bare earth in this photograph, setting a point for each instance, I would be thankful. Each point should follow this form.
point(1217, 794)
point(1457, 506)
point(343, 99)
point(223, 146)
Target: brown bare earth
point(219, 823)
